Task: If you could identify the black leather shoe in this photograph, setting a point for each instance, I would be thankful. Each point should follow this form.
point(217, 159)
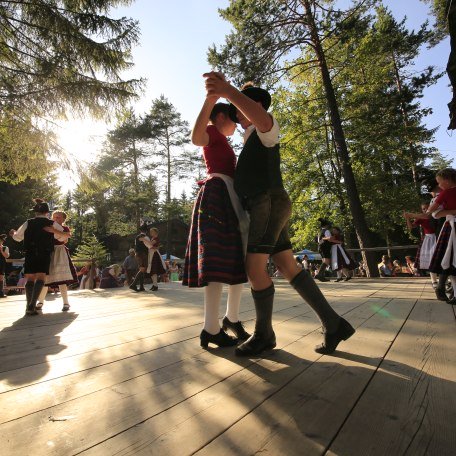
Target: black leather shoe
point(31, 311)
point(153, 288)
point(256, 344)
point(339, 279)
point(452, 301)
point(222, 339)
point(440, 294)
point(347, 279)
point(343, 332)
point(142, 289)
point(133, 287)
point(322, 278)
point(237, 328)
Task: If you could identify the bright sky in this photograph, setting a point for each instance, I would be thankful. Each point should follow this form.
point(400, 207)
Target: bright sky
point(175, 36)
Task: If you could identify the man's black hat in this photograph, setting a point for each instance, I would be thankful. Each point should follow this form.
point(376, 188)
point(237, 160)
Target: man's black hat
point(324, 222)
point(40, 207)
point(256, 94)
point(429, 184)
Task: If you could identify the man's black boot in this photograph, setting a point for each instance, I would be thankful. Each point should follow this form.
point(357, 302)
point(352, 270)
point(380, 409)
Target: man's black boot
point(263, 337)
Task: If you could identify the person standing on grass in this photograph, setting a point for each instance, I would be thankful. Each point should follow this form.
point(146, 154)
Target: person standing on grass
point(258, 183)
point(215, 250)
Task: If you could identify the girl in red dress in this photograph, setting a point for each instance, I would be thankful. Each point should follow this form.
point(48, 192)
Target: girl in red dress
point(444, 257)
point(215, 248)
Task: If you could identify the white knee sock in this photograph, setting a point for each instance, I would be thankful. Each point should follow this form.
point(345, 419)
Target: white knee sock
point(234, 302)
point(64, 292)
point(339, 274)
point(212, 297)
point(434, 278)
point(42, 294)
point(154, 280)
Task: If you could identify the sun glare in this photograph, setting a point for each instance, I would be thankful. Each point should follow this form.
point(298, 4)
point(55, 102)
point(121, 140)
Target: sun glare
point(81, 140)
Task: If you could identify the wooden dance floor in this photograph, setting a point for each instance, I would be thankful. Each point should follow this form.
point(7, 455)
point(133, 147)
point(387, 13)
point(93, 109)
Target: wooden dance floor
point(124, 374)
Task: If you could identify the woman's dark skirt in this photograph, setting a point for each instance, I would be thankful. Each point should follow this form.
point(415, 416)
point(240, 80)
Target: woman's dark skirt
point(156, 266)
point(341, 261)
point(214, 249)
point(439, 252)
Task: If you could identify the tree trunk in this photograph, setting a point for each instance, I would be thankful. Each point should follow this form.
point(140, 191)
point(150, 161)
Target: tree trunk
point(168, 202)
point(362, 230)
point(405, 120)
point(136, 185)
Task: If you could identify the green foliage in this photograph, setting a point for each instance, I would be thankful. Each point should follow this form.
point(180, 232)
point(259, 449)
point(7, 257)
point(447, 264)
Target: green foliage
point(16, 200)
point(439, 9)
point(91, 249)
point(370, 60)
point(57, 56)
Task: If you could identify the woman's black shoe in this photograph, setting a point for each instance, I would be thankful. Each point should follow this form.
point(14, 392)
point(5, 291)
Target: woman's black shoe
point(440, 294)
point(154, 288)
point(343, 332)
point(222, 339)
point(256, 344)
point(452, 301)
point(339, 279)
point(237, 328)
point(347, 279)
point(133, 287)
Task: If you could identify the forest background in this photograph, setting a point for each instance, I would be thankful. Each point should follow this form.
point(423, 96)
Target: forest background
point(355, 142)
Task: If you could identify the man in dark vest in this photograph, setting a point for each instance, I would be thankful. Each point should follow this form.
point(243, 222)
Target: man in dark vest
point(38, 236)
point(142, 253)
point(258, 183)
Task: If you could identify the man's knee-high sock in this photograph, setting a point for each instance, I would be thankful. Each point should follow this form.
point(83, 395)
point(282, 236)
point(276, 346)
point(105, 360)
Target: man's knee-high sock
point(29, 291)
point(64, 292)
point(264, 303)
point(443, 277)
point(234, 302)
point(322, 269)
point(339, 273)
point(309, 291)
point(212, 298)
point(136, 280)
point(154, 280)
point(434, 278)
point(39, 284)
point(43, 294)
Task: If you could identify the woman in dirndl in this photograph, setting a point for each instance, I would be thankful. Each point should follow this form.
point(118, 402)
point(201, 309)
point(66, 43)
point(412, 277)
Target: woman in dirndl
point(341, 261)
point(427, 243)
point(218, 234)
point(444, 256)
point(156, 265)
point(61, 270)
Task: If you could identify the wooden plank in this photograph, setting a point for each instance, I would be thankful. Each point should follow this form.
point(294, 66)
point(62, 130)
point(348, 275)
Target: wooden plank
point(107, 368)
point(199, 419)
point(99, 415)
point(303, 417)
point(411, 401)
